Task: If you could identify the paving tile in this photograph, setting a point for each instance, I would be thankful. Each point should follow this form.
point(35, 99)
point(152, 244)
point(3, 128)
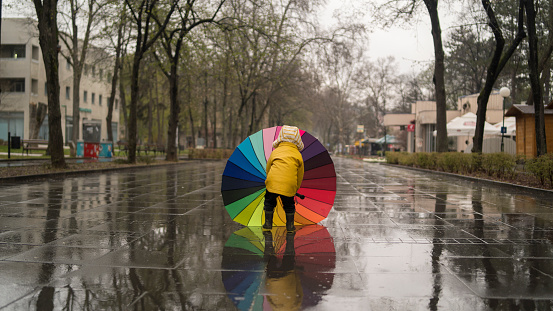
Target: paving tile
point(396, 239)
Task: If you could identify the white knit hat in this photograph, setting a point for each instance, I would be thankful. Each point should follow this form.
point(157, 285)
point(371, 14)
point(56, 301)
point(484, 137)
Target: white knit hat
point(289, 134)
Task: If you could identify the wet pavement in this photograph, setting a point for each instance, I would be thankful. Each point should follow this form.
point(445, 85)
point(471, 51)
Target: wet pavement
point(160, 238)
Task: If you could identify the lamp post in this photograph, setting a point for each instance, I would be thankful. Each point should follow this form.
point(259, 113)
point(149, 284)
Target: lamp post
point(504, 92)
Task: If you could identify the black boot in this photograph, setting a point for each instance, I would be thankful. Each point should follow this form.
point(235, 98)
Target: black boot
point(268, 220)
point(290, 222)
point(269, 249)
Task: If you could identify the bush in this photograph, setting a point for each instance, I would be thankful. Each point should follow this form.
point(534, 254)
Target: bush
point(541, 168)
point(498, 164)
point(209, 153)
point(145, 159)
point(392, 157)
point(427, 160)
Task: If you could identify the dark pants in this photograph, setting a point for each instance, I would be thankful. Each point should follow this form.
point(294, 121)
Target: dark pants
point(271, 201)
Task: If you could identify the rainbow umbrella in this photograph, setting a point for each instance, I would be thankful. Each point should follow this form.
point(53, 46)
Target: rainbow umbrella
point(243, 184)
point(244, 269)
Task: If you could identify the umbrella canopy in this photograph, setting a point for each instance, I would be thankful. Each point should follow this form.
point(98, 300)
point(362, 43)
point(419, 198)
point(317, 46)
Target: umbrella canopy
point(510, 124)
point(243, 183)
point(465, 125)
point(389, 139)
point(244, 265)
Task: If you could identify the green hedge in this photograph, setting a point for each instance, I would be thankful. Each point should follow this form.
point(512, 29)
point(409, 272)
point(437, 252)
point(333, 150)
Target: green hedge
point(493, 164)
point(541, 168)
point(209, 153)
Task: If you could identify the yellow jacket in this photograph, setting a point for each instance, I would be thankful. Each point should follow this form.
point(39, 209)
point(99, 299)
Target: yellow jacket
point(284, 170)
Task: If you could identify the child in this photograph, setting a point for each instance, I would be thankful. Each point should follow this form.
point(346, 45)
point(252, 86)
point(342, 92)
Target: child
point(284, 175)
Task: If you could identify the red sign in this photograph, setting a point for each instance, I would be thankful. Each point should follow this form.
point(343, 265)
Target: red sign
point(91, 150)
point(410, 128)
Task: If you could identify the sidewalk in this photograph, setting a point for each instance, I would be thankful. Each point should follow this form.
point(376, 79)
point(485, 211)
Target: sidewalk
point(160, 238)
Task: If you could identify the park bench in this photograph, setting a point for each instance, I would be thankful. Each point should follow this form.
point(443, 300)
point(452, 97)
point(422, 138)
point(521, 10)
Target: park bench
point(154, 148)
point(34, 144)
point(122, 147)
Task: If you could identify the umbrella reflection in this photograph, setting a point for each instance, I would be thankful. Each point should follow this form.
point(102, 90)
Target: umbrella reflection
point(273, 270)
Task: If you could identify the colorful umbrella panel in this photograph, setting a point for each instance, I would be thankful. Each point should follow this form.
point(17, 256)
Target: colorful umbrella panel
point(243, 183)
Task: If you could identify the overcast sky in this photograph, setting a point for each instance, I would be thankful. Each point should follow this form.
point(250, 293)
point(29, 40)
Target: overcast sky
point(411, 45)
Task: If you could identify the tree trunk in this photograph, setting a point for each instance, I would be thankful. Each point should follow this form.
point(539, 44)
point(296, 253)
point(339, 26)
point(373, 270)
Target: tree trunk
point(48, 37)
point(205, 125)
point(116, 69)
point(214, 123)
point(37, 113)
point(439, 77)
point(224, 122)
point(192, 129)
point(123, 102)
point(541, 146)
point(150, 119)
point(132, 126)
point(498, 62)
point(172, 144)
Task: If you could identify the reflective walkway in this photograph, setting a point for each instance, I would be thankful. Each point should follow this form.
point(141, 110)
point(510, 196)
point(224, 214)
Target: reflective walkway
point(160, 238)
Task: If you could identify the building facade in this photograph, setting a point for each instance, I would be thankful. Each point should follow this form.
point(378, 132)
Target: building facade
point(420, 137)
point(23, 82)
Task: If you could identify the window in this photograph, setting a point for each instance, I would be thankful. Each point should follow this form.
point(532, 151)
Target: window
point(92, 98)
point(101, 74)
point(14, 51)
point(114, 130)
point(11, 122)
point(68, 128)
point(116, 103)
point(67, 92)
point(35, 52)
point(85, 96)
point(34, 87)
point(100, 100)
point(68, 65)
point(15, 85)
point(109, 76)
point(93, 71)
point(86, 69)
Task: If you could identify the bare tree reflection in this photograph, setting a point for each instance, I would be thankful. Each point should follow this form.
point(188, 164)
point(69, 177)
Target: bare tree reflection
point(437, 249)
point(46, 296)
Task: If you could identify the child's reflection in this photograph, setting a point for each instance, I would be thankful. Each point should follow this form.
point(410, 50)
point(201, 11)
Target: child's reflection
point(282, 282)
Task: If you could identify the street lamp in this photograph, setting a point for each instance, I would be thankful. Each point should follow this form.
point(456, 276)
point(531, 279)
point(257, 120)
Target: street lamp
point(504, 92)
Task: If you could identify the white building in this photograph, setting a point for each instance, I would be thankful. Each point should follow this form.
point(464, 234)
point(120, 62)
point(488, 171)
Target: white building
point(23, 82)
point(422, 120)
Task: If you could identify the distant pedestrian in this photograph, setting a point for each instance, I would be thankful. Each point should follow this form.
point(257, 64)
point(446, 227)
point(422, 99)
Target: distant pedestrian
point(284, 175)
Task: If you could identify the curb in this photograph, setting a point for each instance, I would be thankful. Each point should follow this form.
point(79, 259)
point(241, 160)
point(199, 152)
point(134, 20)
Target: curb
point(476, 179)
point(81, 172)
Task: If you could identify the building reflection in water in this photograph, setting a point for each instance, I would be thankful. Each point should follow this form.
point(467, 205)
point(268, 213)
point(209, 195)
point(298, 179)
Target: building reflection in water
point(274, 270)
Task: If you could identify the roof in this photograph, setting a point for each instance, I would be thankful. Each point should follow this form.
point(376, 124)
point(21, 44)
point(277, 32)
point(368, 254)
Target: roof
point(517, 110)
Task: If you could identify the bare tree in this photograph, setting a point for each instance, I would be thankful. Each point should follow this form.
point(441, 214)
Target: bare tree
point(47, 12)
point(117, 68)
point(143, 14)
point(495, 67)
point(78, 51)
point(172, 43)
point(406, 10)
point(541, 144)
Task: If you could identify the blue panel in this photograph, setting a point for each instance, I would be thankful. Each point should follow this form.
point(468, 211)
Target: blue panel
point(247, 149)
point(241, 161)
point(236, 171)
